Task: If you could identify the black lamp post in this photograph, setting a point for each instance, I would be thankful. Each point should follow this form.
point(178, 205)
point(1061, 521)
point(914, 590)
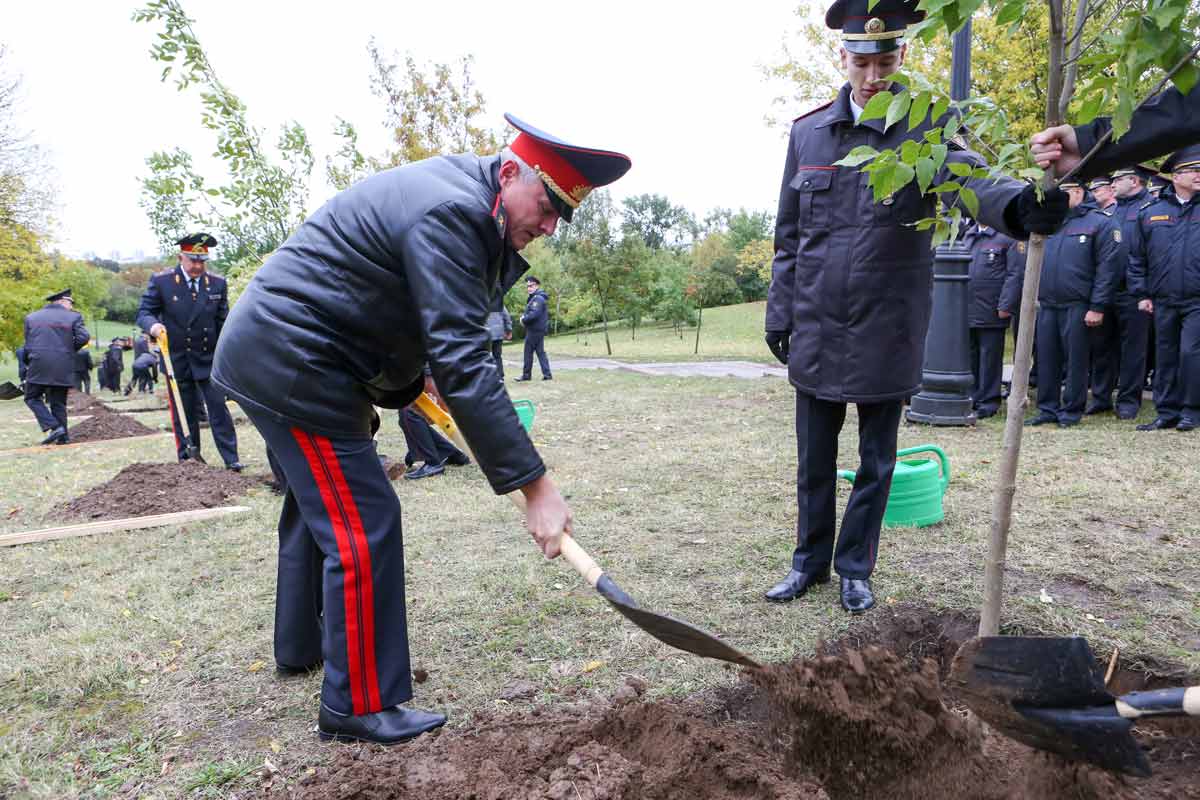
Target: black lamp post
point(946, 380)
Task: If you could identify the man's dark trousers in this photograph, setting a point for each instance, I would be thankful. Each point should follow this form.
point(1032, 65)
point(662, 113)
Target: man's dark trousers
point(192, 393)
point(423, 444)
point(340, 529)
point(1119, 356)
point(818, 423)
point(1177, 365)
point(987, 365)
point(1063, 342)
point(83, 382)
point(535, 342)
point(498, 355)
point(38, 395)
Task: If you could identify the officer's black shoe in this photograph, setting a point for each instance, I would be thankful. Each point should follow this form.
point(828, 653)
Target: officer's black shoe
point(1096, 408)
point(458, 460)
point(392, 725)
point(1126, 415)
point(290, 671)
point(1186, 424)
point(236, 466)
point(547, 377)
point(54, 435)
point(1041, 419)
point(857, 596)
point(1067, 423)
point(64, 439)
point(1159, 425)
point(424, 471)
point(522, 378)
point(794, 585)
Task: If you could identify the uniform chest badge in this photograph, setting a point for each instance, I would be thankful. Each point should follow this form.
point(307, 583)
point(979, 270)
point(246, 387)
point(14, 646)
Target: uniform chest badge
point(1083, 238)
point(1160, 217)
point(1117, 235)
point(174, 298)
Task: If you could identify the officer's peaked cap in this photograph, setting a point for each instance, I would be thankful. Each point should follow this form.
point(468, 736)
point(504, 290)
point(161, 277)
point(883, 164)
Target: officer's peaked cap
point(50, 298)
point(877, 29)
point(1187, 158)
point(197, 245)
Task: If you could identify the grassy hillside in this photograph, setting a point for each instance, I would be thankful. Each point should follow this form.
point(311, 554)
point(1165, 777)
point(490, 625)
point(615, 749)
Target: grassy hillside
point(728, 332)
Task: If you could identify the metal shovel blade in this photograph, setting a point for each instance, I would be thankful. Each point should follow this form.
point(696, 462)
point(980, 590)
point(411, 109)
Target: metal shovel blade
point(1047, 692)
point(10, 391)
point(671, 631)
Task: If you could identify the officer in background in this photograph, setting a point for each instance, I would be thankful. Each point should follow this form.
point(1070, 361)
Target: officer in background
point(143, 373)
point(83, 369)
point(499, 324)
point(431, 449)
point(995, 278)
point(851, 296)
point(536, 320)
point(114, 365)
point(1079, 276)
point(1164, 275)
point(52, 336)
point(1121, 360)
point(1103, 345)
point(191, 304)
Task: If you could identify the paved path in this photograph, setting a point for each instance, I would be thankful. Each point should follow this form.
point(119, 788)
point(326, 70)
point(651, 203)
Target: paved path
point(682, 369)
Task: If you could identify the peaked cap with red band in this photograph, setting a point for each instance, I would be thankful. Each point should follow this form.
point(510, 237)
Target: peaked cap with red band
point(877, 29)
point(569, 172)
point(196, 245)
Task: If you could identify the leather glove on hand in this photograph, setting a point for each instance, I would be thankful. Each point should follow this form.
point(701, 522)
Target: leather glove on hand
point(1044, 217)
point(779, 342)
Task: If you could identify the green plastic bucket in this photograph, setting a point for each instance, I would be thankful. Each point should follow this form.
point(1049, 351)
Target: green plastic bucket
point(918, 485)
point(524, 409)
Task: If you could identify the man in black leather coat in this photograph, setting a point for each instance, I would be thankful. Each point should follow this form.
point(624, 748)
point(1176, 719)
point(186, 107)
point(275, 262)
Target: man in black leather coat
point(425, 247)
point(52, 335)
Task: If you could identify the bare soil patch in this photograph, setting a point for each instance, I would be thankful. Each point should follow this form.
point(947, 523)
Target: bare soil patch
point(106, 425)
point(858, 721)
point(79, 402)
point(141, 489)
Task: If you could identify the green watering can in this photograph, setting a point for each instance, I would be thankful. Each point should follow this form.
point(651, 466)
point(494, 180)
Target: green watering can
point(917, 488)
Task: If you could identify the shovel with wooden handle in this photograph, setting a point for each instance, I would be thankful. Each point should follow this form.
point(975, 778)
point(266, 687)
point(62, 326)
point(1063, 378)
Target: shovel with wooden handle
point(1048, 693)
point(178, 413)
point(676, 633)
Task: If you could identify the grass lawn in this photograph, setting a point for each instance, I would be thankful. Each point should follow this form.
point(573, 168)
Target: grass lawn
point(727, 332)
point(140, 664)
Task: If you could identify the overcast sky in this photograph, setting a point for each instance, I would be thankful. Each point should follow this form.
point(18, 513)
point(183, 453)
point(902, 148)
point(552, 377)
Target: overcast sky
point(675, 85)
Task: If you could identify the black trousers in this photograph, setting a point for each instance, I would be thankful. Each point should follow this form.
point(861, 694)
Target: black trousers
point(987, 367)
point(1063, 346)
point(48, 404)
point(497, 354)
point(1177, 363)
point(1119, 348)
point(423, 444)
point(340, 595)
point(535, 342)
point(192, 393)
point(818, 423)
point(83, 382)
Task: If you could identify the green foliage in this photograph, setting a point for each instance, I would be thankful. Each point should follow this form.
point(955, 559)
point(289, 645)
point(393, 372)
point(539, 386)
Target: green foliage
point(657, 222)
point(262, 198)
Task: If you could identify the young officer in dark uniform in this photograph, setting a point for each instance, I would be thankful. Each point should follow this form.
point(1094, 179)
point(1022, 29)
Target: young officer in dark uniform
point(113, 365)
point(52, 335)
point(1128, 326)
point(851, 295)
point(536, 320)
point(995, 279)
point(1164, 274)
point(191, 304)
point(396, 271)
point(1078, 280)
point(83, 370)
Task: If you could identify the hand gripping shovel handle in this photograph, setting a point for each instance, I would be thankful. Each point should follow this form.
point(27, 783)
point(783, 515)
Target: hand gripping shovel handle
point(180, 414)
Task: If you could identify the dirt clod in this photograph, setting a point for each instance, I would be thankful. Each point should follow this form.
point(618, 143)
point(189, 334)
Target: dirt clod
point(141, 489)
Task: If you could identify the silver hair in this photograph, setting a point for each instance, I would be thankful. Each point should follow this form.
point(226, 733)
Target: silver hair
point(527, 174)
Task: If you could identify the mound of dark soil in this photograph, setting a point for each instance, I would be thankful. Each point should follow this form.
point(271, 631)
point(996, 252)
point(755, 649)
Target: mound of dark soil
point(82, 402)
point(106, 425)
point(143, 489)
point(859, 722)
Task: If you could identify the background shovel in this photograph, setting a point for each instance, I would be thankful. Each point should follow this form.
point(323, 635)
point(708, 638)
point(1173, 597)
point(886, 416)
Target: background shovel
point(1048, 693)
point(192, 449)
point(676, 633)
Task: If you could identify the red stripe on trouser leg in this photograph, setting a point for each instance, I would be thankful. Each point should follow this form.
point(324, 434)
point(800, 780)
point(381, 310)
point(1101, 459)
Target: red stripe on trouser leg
point(367, 589)
point(341, 536)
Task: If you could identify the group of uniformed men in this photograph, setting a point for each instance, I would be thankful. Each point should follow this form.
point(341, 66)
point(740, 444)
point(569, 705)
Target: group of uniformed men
point(428, 247)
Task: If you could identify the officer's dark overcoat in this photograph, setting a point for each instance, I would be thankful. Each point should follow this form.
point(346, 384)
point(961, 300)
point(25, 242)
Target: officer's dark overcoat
point(537, 314)
point(83, 363)
point(1083, 260)
point(1164, 256)
point(995, 276)
point(398, 269)
point(851, 279)
point(1126, 213)
point(193, 325)
point(52, 335)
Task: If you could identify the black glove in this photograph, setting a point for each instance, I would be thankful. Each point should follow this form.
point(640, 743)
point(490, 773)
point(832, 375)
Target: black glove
point(1044, 217)
point(779, 342)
